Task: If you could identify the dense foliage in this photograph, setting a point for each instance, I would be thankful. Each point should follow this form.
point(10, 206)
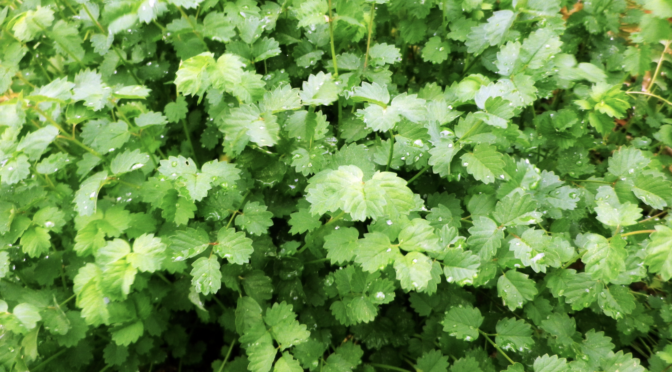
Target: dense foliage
point(335, 185)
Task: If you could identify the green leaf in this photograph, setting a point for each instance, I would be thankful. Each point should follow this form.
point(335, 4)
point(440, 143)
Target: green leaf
point(463, 323)
point(105, 136)
point(490, 33)
point(485, 163)
point(435, 50)
point(127, 334)
point(206, 277)
point(413, 271)
point(86, 198)
point(27, 314)
point(287, 363)
point(441, 156)
point(375, 252)
point(626, 161)
point(35, 143)
point(176, 111)
point(15, 170)
point(374, 93)
point(547, 363)
point(89, 87)
point(282, 98)
point(234, 246)
point(36, 241)
point(514, 334)
point(341, 244)
point(255, 218)
point(188, 243)
point(344, 189)
point(486, 237)
point(29, 24)
point(432, 361)
point(516, 208)
point(460, 266)
point(515, 288)
point(659, 252)
point(652, 190)
point(192, 77)
point(604, 259)
point(383, 53)
point(303, 221)
point(418, 236)
point(318, 90)
point(284, 327)
point(150, 118)
point(90, 297)
point(616, 301)
point(625, 214)
point(128, 161)
point(147, 253)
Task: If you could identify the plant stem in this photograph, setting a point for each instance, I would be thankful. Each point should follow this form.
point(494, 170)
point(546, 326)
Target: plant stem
point(162, 277)
point(390, 156)
point(48, 360)
point(572, 260)
point(470, 65)
point(418, 174)
point(66, 301)
point(193, 27)
point(319, 260)
point(496, 347)
point(71, 139)
point(591, 181)
point(651, 95)
point(372, 14)
point(228, 354)
point(638, 232)
point(658, 67)
point(242, 205)
point(191, 144)
point(331, 36)
point(391, 368)
point(652, 217)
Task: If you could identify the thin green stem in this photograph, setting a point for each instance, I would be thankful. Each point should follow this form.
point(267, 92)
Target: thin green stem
point(658, 67)
point(638, 232)
point(423, 170)
point(66, 301)
point(496, 346)
point(219, 302)
point(193, 27)
point(319, 260)
point(64, 47)
point(652, 217)
point(391, 155)
point(162, 277)
point(94, 20)
point(191, 144)
point(391, 368)
point(242, 205)
point(470, 65)
point(71, 139)
point(572, 260)
point(372, 14)
point(334, 219)
point(590, 181)
point(48, 360)
point(128, 68)
point(331, 36)
point(652, 95)
point(228, 354)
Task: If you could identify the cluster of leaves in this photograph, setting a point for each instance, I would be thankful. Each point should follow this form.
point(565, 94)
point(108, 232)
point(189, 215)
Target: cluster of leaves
point(337, 185)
